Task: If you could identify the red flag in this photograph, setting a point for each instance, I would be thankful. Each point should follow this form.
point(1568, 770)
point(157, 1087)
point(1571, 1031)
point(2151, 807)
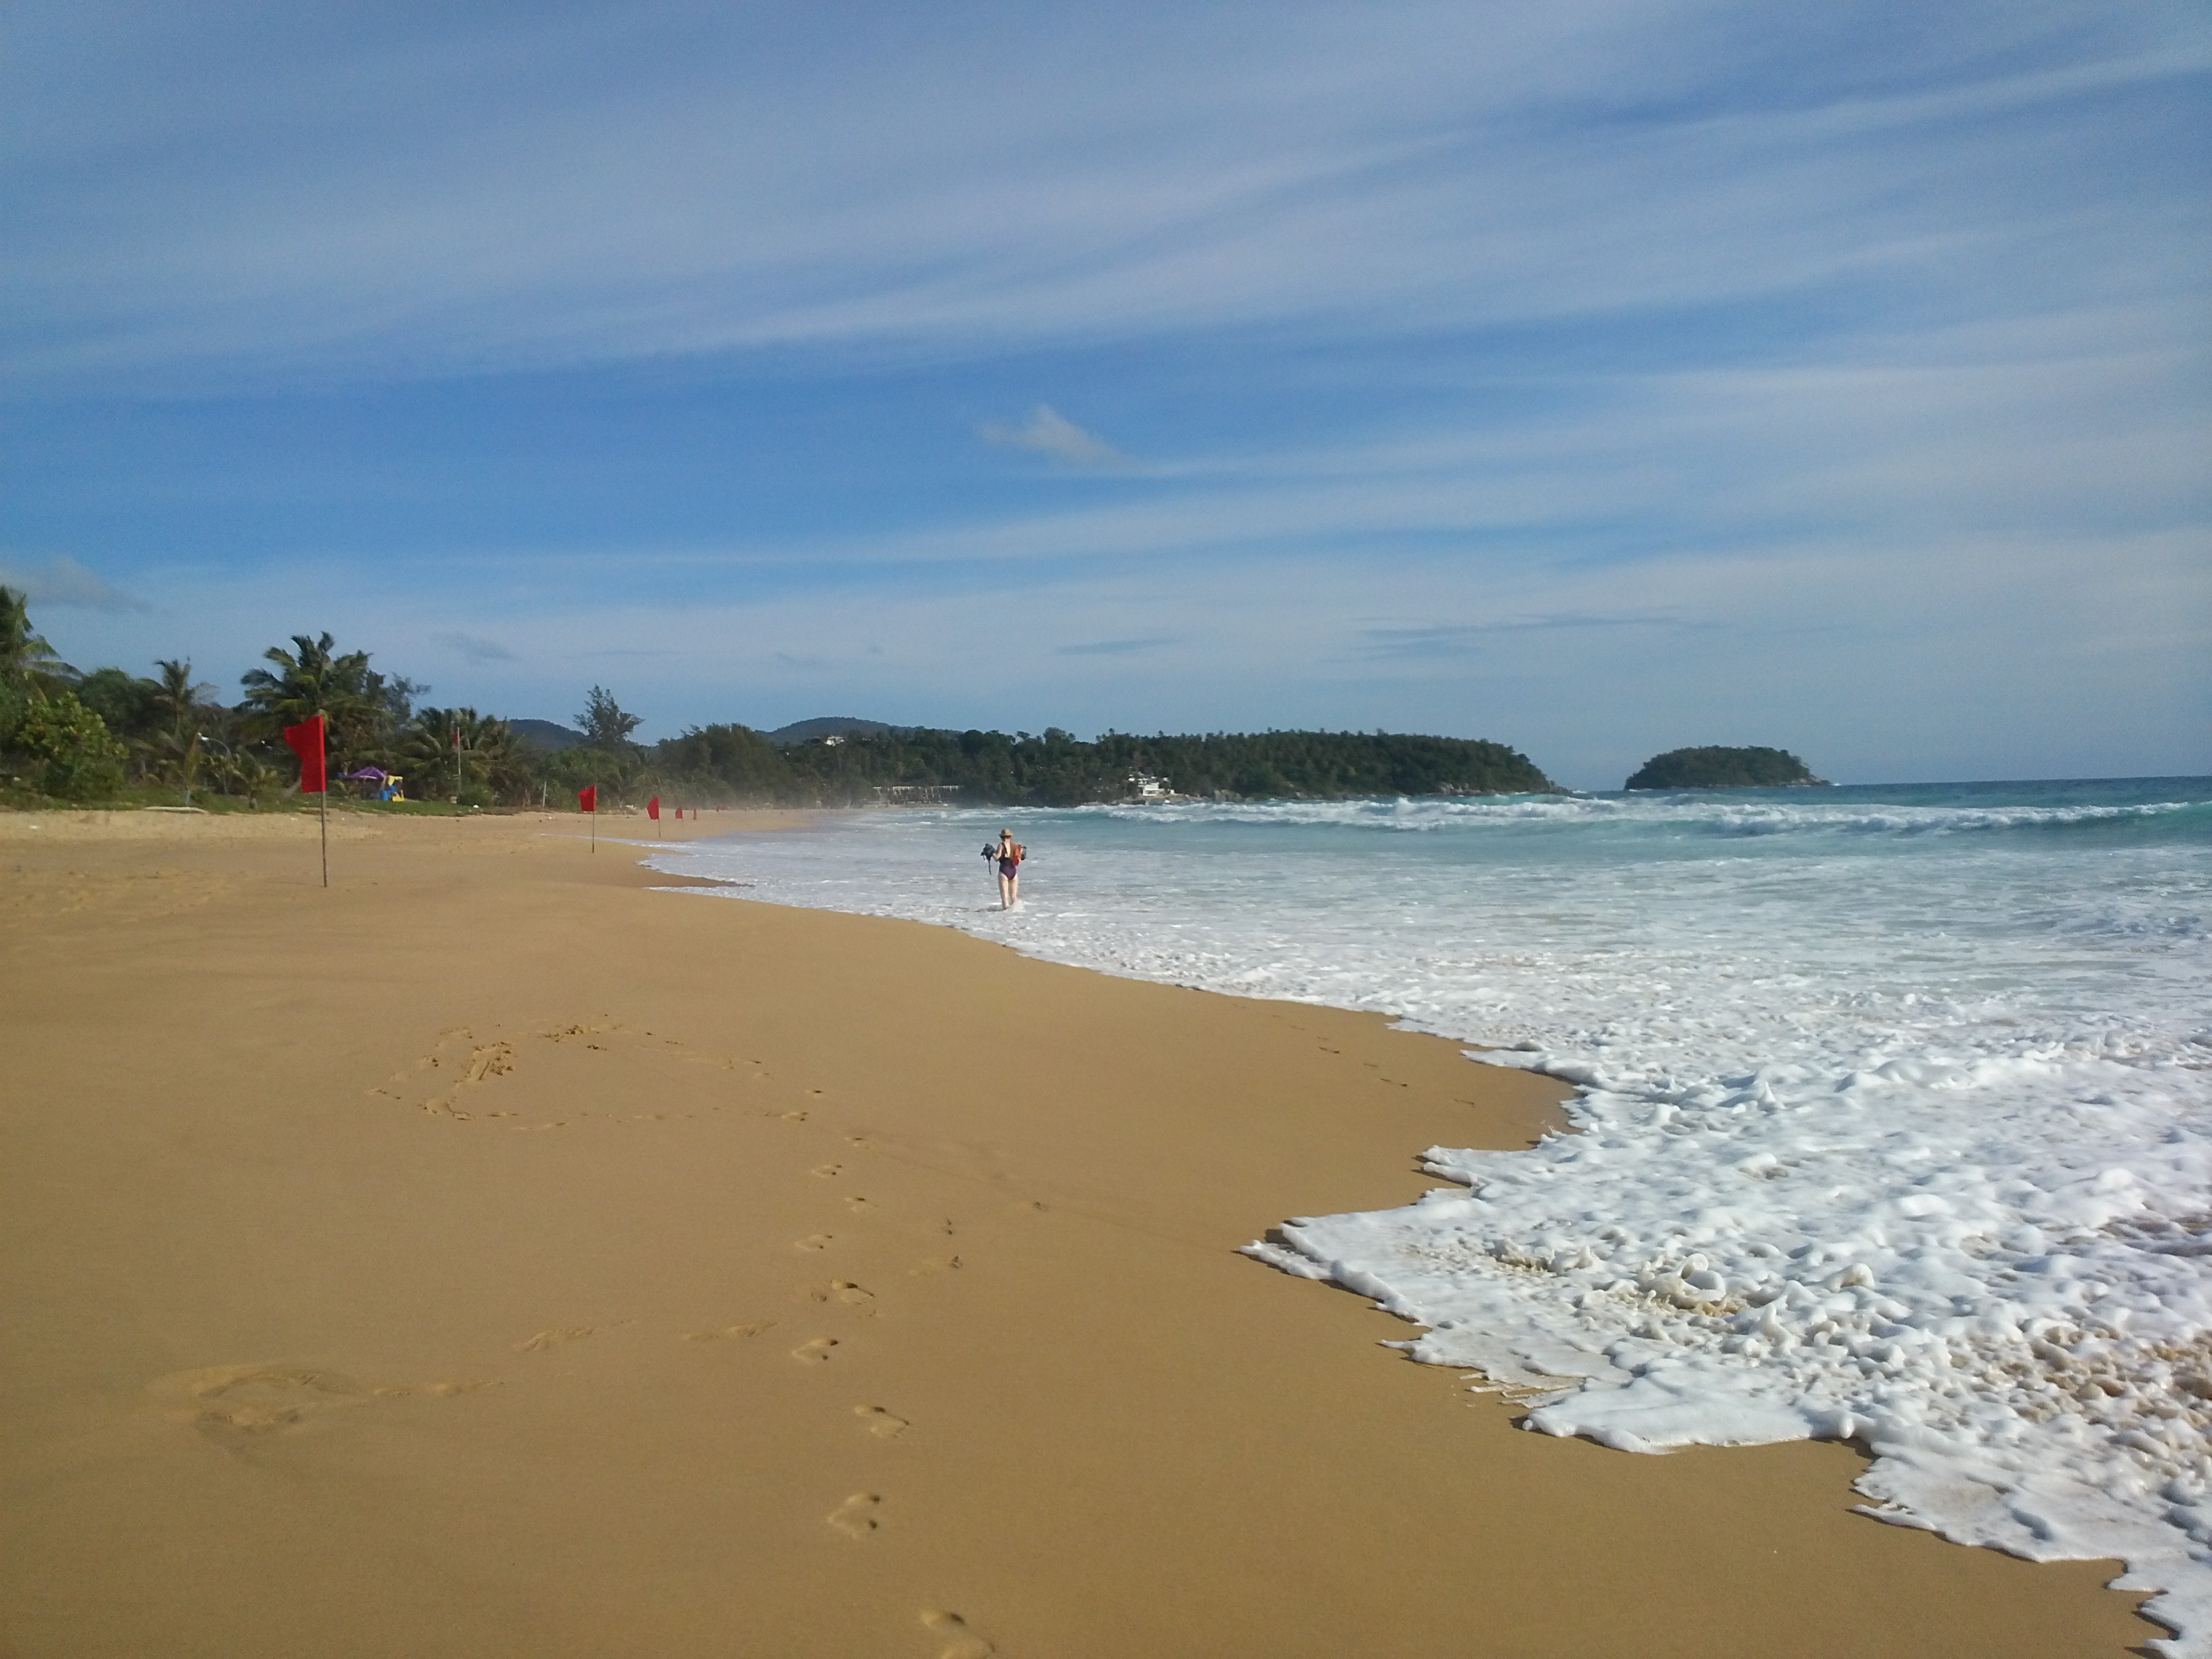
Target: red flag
point(652, 808)
point(588, 799)
point(307, 741)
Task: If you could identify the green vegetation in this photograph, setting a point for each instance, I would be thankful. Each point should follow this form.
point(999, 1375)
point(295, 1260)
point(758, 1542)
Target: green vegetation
point(472, 759)
point(75, 756)
point(113, 737)
point(28, 663)
point(1058, 769)
point(1721, 768)
point(360, 708)
point(50, 739)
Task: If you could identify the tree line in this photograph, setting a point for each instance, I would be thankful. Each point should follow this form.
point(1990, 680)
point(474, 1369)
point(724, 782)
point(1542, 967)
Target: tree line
point(107, 734)
point(1056, 769)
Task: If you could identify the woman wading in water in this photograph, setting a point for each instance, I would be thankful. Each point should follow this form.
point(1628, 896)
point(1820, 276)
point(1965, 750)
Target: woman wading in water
point(1010, 855)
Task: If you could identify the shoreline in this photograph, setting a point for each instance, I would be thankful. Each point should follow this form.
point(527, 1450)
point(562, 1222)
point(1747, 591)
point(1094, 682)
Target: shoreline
point(794, 1210)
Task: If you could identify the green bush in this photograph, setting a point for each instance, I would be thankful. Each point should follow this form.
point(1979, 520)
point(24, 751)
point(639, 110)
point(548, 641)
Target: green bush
point(129, 707)
point(76, 757)
point(15, 703)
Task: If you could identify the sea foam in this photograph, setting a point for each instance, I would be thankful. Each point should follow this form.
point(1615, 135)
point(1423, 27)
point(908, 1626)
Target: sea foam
point(1893, 1119)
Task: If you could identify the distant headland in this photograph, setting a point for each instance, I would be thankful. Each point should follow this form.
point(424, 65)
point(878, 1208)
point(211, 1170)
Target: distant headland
point(853, 762)
point(1722, 768)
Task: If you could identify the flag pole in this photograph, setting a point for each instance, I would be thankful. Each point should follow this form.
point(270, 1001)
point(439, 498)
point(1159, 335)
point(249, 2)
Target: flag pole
point(315, 764)
point(322, 740)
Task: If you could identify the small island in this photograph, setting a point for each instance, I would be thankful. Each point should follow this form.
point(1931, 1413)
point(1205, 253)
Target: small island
point(1722, 768)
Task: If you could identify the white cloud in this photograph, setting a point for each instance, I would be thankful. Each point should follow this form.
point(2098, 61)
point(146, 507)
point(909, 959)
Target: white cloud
point(63, 582)
point(475, 650)
point(1050, 433)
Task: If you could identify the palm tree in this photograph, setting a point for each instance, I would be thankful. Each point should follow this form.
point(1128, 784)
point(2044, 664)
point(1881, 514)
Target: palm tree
point(239, 771)
point(452, 746)
point(181, 705)
point(25, 659)
point(316, 680)
point(178, 701)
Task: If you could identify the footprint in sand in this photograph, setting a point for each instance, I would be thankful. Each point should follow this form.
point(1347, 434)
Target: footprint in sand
point(959, 1636)
point(936, 1264)
point(856, 1516)
point(856, 1204)
point(847, 1293)
point(883, 1423)
point(490, 1060)
point(493, 1059)
point(816, 1351)
point(813, 1241)
point(794, 1117)
point(825, 1170)
point(726, 1332)
point(545, 1340)
point(239, 1403)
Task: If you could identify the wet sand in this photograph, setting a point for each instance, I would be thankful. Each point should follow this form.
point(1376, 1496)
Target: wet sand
point(490, 1256)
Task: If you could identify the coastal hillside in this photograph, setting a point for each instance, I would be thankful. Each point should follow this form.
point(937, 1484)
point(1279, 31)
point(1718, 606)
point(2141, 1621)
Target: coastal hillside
point(548, 735)
point(825, 725)
point(1722, 768)
point(1056, 769)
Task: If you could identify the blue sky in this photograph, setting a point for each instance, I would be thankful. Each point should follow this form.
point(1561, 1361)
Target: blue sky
point(1598, 379)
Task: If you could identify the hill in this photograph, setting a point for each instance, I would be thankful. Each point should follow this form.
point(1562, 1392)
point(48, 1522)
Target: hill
point(547, 734)
point(824, 726)
point(1722, 768)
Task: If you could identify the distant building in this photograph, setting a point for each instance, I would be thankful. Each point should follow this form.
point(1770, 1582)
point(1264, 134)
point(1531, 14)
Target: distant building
point(1143, 786)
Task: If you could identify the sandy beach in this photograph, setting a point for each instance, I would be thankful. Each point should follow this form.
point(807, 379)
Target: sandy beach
point(492, 1255)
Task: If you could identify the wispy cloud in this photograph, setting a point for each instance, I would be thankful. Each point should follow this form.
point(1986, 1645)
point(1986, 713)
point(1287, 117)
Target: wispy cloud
point(1453, 638)
point(1384, 171)
point(1113, 648)
point(477, 651)
point(1050, 433)
point(61, 581)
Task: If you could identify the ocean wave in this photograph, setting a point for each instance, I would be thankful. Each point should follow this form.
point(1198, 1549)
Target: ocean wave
point(1431, 815)
point(1905, 1141)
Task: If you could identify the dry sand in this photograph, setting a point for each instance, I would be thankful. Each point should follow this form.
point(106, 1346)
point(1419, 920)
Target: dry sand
point(487, 1256)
